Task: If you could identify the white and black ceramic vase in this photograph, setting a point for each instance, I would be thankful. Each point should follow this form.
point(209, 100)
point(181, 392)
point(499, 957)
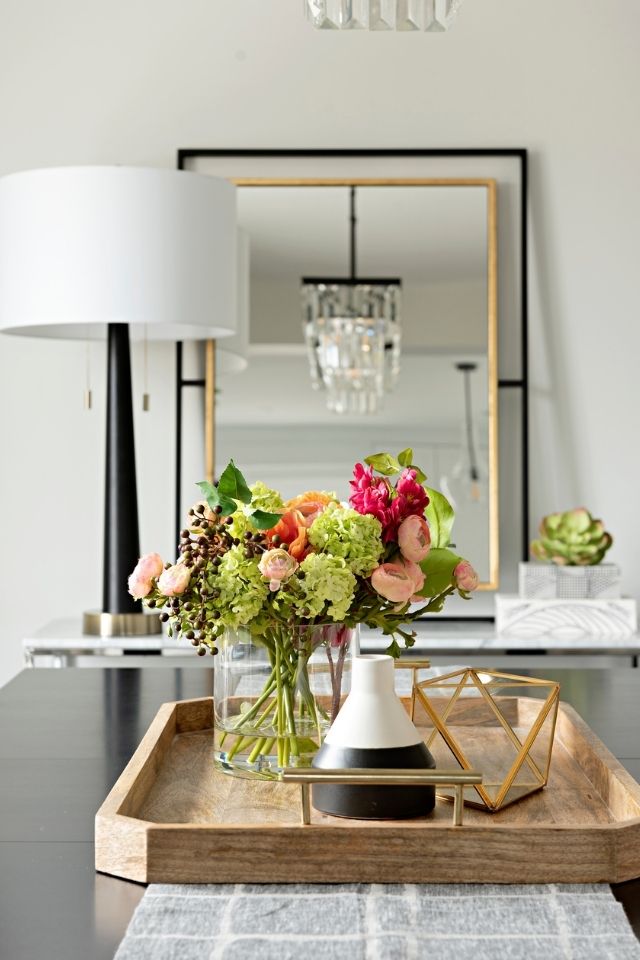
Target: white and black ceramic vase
point(373, 730)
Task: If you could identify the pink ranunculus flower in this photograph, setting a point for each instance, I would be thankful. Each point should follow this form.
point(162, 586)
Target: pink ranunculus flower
point(174, 580)
point(147, 568)
point(150, 565)
point(393, 582)
point(139, 585)
point(466, 576)
point(416, 574)
point(414, 538)
point(277, 565)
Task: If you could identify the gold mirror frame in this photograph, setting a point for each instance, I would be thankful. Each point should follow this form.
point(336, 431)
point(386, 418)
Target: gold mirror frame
point(492, 329)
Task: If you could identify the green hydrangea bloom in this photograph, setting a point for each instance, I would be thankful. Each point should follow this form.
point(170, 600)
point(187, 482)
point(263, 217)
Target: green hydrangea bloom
point(324, 579)
point(263, 498)
point(343, 532)
point(242, 588)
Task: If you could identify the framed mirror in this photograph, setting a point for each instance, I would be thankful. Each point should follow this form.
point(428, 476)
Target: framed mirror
point(323, 229)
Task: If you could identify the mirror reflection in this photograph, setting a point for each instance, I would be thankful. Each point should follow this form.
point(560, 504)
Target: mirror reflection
point(371, 328)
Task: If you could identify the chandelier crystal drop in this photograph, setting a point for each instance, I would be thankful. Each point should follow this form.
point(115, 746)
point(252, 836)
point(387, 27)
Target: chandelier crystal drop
point(352, 332)
point(430, 16)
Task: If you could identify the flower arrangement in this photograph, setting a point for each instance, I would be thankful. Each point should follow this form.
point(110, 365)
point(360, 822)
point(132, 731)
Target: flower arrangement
point(250, 560)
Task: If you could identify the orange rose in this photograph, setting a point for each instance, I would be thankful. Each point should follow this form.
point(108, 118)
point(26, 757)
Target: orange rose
point(310, 504)
point(292, 530)
point(300, 513)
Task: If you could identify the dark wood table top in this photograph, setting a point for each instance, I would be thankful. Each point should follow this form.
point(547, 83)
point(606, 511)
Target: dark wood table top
point(65, 737)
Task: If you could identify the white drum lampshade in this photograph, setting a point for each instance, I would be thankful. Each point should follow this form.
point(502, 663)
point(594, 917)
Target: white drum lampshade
point(101, 245)
point(232, 353)
point(86, 251)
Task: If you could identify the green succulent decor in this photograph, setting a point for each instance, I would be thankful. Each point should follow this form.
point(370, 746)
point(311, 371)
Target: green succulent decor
point(572, 538)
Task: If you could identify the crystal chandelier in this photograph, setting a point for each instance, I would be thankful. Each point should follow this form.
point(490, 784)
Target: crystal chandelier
point(352, 331)
point(432, 16)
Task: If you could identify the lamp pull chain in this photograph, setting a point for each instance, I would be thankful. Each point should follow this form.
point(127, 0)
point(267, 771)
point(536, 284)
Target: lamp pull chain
point(145, 375)
point(88, 399)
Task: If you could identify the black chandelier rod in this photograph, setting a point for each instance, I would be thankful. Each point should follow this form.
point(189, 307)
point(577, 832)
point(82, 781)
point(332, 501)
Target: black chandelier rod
point(466, 370)
point(353, 222)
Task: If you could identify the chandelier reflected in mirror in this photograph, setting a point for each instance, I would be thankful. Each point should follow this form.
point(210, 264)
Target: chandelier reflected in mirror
point(430, 16)
point(353, 334)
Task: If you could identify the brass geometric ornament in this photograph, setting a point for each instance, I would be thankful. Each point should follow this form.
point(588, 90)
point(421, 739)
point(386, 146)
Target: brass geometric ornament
point(498, 723)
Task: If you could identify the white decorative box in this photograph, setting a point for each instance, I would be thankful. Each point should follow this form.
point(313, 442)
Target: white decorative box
point(546, 581)
point(526, 619)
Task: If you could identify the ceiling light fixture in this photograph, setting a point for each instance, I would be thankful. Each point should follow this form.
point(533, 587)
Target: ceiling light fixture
point(352, 332)
point(430, 16)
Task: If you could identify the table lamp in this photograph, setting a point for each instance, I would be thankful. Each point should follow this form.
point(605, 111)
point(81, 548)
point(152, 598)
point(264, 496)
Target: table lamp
point(86, 251)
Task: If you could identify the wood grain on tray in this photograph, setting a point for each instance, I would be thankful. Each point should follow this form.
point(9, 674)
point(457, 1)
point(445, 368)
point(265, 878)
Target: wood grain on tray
point(171, 817)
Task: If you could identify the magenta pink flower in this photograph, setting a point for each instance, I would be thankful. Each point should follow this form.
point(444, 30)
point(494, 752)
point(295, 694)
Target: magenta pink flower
point(466, 576)
point(362, 478)
point(412, 494)
point(373, 495)
point(414, 538)
point(174, 580)
point(370, 494)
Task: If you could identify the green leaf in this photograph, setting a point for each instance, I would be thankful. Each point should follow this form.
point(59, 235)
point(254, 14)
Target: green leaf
point(405, 458)
point(440, 516)
point(438, 567)
point(214, 499)
point(383, 463)
point(209, 492)
point(420, 474)
point(263, 520)
point(227, 506)
point(393, 650)
point(233, 485)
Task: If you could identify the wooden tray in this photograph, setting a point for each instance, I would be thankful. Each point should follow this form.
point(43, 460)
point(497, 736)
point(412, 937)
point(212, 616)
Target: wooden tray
point(172, 818)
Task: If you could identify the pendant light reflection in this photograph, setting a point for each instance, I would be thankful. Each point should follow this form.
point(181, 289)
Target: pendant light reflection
point(353, 334)
point(466, 484)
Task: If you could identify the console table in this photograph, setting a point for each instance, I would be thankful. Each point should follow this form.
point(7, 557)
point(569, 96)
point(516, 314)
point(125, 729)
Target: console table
point(61, 643)
point(66, 736)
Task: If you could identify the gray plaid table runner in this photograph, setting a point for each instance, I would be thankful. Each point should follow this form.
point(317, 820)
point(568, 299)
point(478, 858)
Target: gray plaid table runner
point(379, 922)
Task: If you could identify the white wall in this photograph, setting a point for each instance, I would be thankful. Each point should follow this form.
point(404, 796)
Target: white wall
point(83, 81)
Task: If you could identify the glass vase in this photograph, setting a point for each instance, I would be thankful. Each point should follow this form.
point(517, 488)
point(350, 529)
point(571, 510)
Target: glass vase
point(276, 695)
